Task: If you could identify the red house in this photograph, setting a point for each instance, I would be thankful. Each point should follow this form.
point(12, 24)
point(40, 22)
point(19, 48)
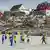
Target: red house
point(44, 7)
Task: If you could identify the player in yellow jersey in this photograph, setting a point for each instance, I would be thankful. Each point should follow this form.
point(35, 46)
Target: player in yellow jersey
point(15, 39)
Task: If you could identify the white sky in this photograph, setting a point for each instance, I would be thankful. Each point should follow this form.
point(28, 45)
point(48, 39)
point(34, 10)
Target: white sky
point(7, 4)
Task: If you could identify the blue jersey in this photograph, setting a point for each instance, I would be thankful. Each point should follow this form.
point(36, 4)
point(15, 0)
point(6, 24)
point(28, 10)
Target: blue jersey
point(2, 37)
point(11, 38)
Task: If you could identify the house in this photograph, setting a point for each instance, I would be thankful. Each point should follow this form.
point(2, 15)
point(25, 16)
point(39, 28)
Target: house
point(20, 8)
point(44, 7)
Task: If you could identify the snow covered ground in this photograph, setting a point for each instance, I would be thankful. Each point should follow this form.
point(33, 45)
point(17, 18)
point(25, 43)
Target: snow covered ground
point(35, 44)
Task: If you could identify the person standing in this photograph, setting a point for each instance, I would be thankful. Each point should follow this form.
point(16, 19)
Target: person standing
point(28, 38)
point(2, 38)
point(44, 39)
point(11, 40)
point(15, 39)
point(22, 38)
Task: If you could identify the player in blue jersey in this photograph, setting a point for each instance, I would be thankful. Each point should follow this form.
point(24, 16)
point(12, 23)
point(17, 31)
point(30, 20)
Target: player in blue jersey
point(2, 38)
point(11, 40)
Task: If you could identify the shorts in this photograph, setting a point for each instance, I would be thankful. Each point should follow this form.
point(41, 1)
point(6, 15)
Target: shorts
point(22, 39)
point(14, 41)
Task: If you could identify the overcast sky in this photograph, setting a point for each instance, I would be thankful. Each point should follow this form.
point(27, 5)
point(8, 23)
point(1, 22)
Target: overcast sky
point(7, 4)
